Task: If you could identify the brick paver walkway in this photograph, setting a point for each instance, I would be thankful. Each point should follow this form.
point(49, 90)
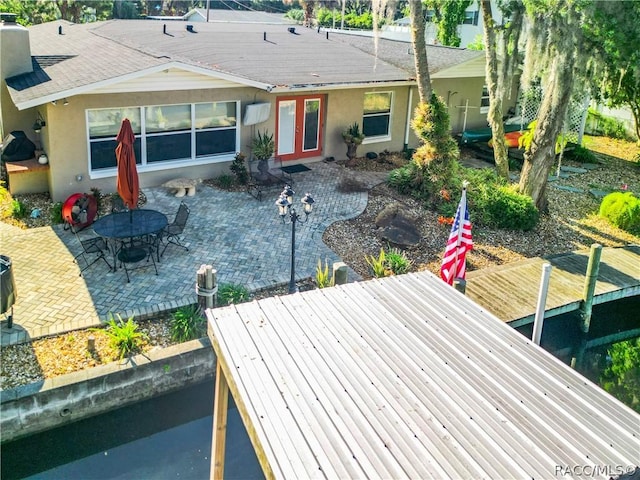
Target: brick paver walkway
point(242, 238)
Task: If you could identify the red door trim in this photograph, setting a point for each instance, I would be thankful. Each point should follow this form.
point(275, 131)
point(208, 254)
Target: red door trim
point(299, 136)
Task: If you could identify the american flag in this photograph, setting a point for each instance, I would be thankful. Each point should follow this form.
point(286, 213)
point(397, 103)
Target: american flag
point(454, 263)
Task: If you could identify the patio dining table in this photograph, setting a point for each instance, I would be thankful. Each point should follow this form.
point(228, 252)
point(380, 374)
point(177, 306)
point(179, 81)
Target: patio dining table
point(121, 227)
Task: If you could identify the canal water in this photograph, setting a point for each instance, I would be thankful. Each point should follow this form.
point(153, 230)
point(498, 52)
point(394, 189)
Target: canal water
point(168, 437)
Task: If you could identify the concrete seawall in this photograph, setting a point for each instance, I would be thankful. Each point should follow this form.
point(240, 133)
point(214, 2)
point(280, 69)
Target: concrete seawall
point(41, 406)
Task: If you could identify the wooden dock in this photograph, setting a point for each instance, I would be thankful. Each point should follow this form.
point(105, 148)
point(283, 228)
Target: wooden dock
point(511, 291)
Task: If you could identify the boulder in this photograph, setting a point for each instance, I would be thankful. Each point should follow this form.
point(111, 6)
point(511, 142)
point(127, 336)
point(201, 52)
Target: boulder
point(398, 227)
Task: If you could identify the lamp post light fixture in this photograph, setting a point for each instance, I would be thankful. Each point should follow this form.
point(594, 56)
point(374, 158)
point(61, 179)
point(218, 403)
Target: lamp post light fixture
point(286, 209)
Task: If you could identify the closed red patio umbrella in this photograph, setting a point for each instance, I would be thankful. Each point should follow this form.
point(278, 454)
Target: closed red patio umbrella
point(127, 179)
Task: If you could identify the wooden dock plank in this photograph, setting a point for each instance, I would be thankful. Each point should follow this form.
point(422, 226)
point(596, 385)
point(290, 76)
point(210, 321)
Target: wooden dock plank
point(511, 291)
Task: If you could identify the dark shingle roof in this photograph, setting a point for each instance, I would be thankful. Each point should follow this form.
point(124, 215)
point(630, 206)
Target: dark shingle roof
point(95, 54)
point(88, 59)
point(400, 53)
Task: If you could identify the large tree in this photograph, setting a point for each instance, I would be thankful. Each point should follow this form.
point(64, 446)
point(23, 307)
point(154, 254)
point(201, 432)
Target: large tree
point(420, 50)
point(614, 32)
point(502, 55)
point(554, 47)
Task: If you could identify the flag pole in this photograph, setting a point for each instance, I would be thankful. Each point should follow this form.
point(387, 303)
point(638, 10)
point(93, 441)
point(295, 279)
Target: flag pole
point(461, 217)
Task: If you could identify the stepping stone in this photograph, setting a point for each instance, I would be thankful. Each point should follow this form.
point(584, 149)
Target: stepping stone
point(573, 169)
point(553, 178)
point(598, 193)
point(590, 166)
point(569, 189)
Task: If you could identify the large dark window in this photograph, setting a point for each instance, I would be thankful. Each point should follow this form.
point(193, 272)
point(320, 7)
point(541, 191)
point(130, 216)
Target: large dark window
point(166, 133)
point(215, 142)
point(376, 119)
point(103, 153)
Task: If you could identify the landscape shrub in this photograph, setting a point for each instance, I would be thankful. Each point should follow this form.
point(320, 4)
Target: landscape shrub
point(239, 169)
point(225, 181)
point(125, 337)
point(393, 262)
point(187, 323)
point(18, 209)
point(580, 154)
point(501, 206)
point(378, 264)
point(323, 279)
point(622, 209)
point(398, 262)
point(230, 293)
point(607, 126)
point(56, 213)
point(403, 179)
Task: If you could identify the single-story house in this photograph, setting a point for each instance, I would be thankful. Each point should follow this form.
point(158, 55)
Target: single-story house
point(198, 93)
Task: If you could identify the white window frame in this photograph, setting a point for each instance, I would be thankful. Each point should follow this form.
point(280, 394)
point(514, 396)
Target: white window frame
point(145, 166)
point(379, 138)
point(483, 97)
point(471, 17)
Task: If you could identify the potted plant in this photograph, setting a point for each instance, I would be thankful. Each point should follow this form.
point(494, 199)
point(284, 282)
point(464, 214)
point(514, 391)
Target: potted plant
point(353, 137)
point(263, 147)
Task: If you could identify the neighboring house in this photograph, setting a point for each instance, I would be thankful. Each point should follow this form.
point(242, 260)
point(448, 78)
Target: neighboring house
point(226, 15)
point(197, 93)
point(468, 30)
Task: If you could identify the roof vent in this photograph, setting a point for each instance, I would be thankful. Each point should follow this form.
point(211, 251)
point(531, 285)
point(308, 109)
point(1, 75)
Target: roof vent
point(60, 30)
point(292, 30)
point(190, 28)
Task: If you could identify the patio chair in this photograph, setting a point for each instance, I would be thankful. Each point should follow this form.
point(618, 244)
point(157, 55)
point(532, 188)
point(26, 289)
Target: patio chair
point(171, 233)
point(132, 254)
point(93, 249)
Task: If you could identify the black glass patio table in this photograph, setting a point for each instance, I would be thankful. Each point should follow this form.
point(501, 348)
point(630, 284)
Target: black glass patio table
point(125, 226)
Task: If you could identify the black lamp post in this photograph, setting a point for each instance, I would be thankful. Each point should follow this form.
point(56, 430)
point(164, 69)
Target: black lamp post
point(285, 208)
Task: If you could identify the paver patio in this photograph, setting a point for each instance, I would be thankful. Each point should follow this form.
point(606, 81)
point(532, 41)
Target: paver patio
point(243, 238)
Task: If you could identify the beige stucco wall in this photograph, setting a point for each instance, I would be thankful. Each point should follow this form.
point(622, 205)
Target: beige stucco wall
point(455, 92)
point(64, 138)
point(346, 107)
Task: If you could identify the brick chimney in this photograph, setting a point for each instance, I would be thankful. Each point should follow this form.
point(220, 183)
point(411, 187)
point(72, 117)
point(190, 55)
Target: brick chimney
point(15, 50)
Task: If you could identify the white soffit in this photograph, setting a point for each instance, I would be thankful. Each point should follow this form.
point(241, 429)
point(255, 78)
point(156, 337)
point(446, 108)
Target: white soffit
point(167, 80)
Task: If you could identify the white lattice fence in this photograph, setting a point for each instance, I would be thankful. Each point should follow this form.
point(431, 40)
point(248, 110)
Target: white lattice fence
point(529, 104)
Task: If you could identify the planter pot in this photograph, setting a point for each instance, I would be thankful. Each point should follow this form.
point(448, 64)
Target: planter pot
point(352, 149)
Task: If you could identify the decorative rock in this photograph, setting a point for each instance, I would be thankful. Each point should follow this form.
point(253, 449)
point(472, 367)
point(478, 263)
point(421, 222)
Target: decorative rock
point(569, 189)
point(371, 155)
point(598, 193)
point(183, 186)
point(564, 168)
point(590, 166)
point(397, 227)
